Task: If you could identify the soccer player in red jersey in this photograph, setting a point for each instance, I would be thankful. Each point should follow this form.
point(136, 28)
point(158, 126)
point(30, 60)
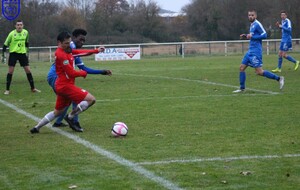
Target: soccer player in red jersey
point(66, 91)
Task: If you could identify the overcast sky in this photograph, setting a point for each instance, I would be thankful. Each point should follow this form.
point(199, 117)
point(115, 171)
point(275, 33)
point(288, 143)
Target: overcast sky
point(172, 5)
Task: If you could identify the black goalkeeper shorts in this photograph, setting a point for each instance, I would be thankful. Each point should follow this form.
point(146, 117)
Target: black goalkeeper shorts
point(21, 57)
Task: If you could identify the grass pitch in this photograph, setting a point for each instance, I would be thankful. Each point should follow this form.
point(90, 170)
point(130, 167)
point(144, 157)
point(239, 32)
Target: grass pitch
point(186, 129)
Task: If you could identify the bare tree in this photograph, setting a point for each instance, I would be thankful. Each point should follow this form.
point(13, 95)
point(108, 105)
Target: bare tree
point(84, 6)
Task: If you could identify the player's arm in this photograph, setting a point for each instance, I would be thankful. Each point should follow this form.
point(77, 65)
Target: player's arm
point(27, 42)
point(68, 68)
point(94, 71)
point(260, 34)
point(3, 58)
point(286, 28)
point(84, 52)
point(71, 72)
point(5, 45)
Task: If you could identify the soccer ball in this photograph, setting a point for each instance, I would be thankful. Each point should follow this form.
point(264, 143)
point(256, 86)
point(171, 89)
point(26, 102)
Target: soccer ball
point(119, 129)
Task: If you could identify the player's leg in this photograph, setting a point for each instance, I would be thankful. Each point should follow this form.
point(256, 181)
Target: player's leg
point(270, 75)
point(87, 102)
point(279, 65)
point(81, 97)
point(51, 79)
point(290, 58)
point(25, 64)
point(58, 122)
point(46, 119)
point(12, 60)
point(76, 117)
point(242, 74)
point(30, 79)
point(61, 104)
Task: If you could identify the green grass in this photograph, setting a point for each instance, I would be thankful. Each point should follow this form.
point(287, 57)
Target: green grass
point(173, 113)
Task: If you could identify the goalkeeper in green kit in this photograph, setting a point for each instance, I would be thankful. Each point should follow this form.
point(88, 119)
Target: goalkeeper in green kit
point(17, 41)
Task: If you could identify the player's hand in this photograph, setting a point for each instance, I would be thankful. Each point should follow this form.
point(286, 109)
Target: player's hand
point(277, 24)
point(108, 72)
point(101, 49)
point(243, 36)
point(3, 59)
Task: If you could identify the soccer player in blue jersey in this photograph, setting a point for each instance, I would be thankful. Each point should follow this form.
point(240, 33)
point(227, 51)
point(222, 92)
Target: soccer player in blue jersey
point(78, 39)
point(286, 42)
point(253, 57)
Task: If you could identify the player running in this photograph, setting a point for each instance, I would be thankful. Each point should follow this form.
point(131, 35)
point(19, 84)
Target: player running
point(78, 39)
point(253, 57)
point(286, 42)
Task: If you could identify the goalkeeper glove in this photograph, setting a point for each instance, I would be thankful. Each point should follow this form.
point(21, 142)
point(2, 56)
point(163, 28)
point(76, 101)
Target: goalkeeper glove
point(3, 60)
point(107, 72)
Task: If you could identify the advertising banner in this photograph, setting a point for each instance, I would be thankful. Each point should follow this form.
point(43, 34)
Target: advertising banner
point(116, 54)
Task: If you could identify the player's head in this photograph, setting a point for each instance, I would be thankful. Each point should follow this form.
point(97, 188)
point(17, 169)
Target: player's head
point(283, 14)
point(19, 25)
point(78, 37)
point(252, 15)
point(63, 40)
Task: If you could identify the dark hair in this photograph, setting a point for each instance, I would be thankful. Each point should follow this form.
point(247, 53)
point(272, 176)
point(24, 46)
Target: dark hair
point(63, 35)
point(18, 21)
point(78, 32)
point(283, 11)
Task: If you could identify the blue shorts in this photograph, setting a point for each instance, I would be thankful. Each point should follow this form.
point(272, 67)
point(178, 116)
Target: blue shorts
point(252, 60)
point(285, 46)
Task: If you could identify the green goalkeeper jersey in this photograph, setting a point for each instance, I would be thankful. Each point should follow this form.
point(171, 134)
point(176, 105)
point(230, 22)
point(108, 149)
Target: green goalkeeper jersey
point(16, 41)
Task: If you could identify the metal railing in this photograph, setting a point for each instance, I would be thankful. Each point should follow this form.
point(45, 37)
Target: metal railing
point(176, 49)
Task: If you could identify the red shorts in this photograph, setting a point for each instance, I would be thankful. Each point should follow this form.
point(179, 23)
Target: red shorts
point(67, 94)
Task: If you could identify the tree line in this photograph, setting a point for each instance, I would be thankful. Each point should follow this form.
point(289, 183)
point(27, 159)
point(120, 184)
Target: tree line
point(139, 21)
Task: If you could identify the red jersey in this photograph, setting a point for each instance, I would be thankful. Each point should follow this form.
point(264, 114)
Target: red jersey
point(66, 90)
point(65, 67)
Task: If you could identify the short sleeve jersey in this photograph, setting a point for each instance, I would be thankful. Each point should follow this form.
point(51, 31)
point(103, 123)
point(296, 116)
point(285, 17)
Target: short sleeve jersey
point(16, 41)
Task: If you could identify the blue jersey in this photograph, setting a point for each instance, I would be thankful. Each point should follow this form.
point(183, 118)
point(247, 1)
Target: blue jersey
point(258, 34)
point(286, 30)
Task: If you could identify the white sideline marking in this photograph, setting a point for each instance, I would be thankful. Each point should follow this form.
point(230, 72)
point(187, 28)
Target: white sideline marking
point(203, 82)
point(220, 159)
point(122, 161)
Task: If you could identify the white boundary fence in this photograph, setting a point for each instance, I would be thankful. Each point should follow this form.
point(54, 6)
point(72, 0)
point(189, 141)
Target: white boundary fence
point(176, 49)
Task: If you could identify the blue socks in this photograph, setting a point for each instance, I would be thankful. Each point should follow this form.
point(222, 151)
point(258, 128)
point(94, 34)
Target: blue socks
point(279, 62)
point(270, 75)
point(242, 80)
point(291, 59)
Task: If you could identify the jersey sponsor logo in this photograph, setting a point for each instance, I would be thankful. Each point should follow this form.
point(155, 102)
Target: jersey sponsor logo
point(11, 9)
point(66, 62)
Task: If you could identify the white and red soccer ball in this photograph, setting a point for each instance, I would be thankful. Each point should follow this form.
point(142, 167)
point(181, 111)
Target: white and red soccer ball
point(119, 129)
